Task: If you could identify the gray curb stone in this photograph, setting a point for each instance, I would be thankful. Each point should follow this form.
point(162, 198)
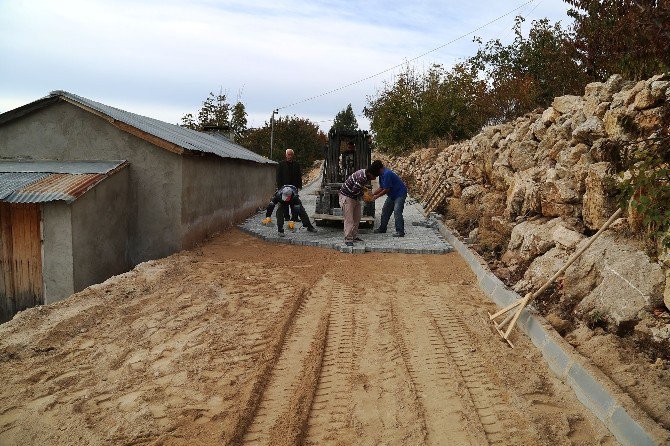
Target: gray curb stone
point(587, 388)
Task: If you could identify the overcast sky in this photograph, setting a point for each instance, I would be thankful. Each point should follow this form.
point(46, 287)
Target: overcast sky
point(162, 58)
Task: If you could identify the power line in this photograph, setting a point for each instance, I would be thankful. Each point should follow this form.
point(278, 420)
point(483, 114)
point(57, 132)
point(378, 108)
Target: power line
point(407, 61)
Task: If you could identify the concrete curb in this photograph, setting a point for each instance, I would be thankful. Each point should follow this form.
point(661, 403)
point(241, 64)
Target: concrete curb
point(561, 357)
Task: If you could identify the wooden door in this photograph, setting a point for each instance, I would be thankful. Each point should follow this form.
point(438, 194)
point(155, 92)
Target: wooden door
point(20, 258)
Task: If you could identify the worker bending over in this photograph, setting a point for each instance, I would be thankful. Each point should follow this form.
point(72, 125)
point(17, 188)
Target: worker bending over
point(287, 197)
point(351, 193)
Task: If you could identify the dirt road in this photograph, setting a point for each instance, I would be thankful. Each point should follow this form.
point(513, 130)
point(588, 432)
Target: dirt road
point(243, 342)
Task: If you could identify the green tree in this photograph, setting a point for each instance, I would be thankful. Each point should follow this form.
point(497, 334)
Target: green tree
point(345, 120)
point(451, 103)
point(394, 112)
point(290, 132)
point(418, 108)
point(529, 72)
point(238, 120)
point(215, 110)
point(629, 37)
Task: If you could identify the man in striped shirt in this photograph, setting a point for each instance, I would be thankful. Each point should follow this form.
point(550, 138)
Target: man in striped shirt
point(351, 193)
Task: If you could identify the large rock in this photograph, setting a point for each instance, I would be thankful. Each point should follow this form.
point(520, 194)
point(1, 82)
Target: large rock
point(558, 197)
point(648, 121)
point(541, 270)
point(493, 203)
point(648, 98)
point(565, 238)
point(624, 281)
point(549, 116)
point(571, 155)
point(590, 130)
point(615, 123)
point(523, 195)
point(613, 84)
point(472, 193)
point(612, 270)
point(530, 239)
point(567, 104)
point(599, 201)
point(522, 155)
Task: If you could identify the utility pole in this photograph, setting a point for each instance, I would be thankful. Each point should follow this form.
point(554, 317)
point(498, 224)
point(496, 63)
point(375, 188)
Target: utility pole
point(272, 130)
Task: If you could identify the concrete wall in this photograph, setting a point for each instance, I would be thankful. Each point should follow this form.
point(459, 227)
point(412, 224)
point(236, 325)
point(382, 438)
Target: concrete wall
point(66, 132)
point(219, 192)
point(100, 236)
point(57, 263)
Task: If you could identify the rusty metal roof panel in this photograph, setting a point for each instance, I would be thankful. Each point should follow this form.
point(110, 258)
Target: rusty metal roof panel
point(58, 186)
point(11, 181)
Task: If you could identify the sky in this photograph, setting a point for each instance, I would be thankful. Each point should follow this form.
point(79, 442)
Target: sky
point(162, 58)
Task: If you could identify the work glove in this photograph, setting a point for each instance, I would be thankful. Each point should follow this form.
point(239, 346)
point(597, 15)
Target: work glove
point(291, 225)
point(266, 220)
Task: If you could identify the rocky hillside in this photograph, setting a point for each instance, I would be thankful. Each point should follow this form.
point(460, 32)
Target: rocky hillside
point(527, 194)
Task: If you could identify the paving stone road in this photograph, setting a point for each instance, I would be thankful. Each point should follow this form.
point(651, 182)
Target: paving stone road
point(420, 237)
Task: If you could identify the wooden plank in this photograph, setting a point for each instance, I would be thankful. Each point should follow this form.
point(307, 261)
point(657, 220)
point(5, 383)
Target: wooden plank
point(6, 282)
point(37, 252)
point(26, 256)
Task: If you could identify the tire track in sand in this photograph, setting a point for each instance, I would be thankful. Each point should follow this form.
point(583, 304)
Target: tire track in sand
point(282, 413)
point(484, 395)
point(435, 381)
point(385, 405)
point(268, 358)
point(329, 417)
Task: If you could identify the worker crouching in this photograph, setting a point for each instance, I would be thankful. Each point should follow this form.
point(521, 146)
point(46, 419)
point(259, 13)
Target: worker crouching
point(287, 197)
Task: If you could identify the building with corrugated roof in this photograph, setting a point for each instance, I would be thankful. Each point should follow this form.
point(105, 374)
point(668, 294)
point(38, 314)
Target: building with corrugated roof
point(88, 191)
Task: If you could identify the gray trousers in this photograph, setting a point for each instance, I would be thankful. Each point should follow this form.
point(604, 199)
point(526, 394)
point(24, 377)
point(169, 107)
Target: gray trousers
point(351, 211)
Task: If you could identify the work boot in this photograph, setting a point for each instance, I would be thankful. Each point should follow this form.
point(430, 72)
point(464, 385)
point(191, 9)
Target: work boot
point(399, 234)
point(379, 231)
point(349, 243)
point(311, 229)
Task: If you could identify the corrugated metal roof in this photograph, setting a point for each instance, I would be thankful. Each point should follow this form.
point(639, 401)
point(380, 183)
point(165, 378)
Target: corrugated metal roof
point(43, 181)
point(50, 166)
point(57, 186)
point(181, 136)
point(9, 182)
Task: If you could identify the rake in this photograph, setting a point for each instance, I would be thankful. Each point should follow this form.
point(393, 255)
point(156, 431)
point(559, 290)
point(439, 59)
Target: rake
point(512, 312)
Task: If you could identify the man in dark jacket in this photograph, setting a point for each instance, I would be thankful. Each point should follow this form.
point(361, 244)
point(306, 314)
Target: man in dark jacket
point(287, 197)
point(288, 172)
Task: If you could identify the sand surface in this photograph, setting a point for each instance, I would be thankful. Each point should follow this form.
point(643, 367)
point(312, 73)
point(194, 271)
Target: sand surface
point(243, 342)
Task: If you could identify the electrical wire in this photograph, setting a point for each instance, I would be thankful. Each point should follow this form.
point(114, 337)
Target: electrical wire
point(406, 61)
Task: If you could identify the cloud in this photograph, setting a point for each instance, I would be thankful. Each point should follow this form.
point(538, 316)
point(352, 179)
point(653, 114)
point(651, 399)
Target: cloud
point(163, 58)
